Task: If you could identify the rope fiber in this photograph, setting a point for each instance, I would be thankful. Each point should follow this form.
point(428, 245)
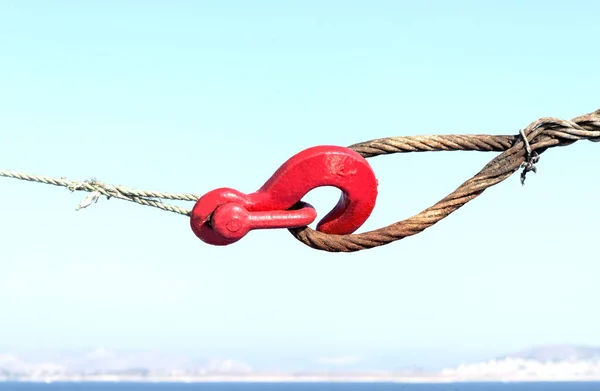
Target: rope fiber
point(142, 197)
point(520, 151)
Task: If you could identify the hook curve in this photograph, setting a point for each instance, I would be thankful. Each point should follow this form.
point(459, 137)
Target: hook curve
point(281, 194)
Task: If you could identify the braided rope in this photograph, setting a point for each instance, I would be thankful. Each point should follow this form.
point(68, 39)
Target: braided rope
point(520, 151)
point(142, 197)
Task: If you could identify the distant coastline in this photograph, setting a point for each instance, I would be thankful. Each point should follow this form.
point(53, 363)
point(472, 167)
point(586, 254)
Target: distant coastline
point(552, 363)
point(258, 378)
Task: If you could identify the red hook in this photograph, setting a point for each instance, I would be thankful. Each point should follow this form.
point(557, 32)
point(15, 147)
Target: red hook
point(223, 216)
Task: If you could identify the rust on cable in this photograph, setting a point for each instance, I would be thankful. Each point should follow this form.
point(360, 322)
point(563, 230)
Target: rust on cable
point(539, 135)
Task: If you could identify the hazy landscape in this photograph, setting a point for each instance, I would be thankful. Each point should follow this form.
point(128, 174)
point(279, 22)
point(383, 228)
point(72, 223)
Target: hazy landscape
point(541, 363)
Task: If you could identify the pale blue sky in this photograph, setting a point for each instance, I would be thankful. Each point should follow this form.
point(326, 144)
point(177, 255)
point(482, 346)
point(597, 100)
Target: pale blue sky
point(190, 96)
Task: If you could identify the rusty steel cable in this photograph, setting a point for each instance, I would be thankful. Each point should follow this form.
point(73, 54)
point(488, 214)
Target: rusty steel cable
point(520, 151)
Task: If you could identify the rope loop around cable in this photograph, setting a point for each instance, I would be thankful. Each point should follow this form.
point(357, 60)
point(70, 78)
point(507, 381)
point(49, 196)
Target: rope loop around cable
point(520, 151)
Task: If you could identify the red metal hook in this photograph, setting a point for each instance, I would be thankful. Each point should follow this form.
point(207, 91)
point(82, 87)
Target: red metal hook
point(223, 216)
